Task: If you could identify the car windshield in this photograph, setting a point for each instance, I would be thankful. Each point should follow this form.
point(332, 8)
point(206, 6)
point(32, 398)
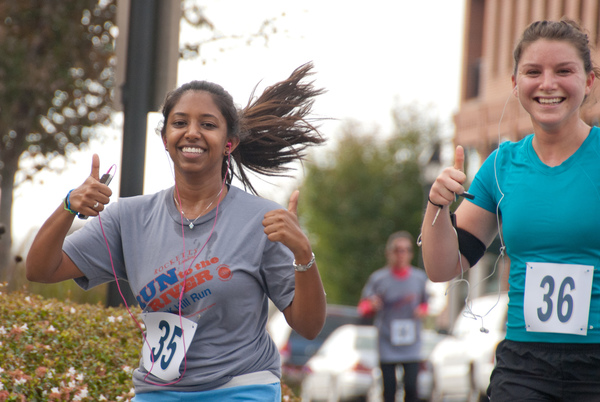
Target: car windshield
point(364, 342)
point(350, 338)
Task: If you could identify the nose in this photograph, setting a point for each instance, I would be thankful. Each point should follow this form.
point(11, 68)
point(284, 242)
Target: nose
point(548, 81)
point(194, 130)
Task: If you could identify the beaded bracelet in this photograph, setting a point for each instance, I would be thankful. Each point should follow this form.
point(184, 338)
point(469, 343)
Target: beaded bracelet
point(67, 204)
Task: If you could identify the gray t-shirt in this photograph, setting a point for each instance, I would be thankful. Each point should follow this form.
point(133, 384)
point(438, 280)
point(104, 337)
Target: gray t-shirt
point(228, 283)
point(399, 330)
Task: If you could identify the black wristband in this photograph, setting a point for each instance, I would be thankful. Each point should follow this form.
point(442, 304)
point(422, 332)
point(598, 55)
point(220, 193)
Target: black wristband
point(433, 203)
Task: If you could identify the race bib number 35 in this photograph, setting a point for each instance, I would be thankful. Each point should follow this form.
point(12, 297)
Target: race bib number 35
point(164, 349)
point(557, 297)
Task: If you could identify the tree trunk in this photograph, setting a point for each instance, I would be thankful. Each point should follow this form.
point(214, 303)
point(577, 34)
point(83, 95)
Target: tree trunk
point(6, 200)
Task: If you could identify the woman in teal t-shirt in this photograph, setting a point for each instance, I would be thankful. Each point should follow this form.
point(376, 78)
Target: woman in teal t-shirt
point(544, 194)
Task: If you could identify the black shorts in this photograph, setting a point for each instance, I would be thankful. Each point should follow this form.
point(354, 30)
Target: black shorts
point(529, 371)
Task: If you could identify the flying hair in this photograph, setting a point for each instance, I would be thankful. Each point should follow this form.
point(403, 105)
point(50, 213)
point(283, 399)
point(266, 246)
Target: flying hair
point(275, 128)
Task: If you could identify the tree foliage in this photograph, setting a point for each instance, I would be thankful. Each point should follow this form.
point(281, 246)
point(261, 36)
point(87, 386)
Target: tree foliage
point(368, 188)
point(57, 63)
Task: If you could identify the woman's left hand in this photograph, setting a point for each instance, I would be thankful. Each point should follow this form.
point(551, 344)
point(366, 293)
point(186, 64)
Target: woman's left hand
point(283, 226)
point(306, 312)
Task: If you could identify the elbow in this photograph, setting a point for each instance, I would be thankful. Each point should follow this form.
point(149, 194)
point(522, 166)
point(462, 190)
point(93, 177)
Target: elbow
point(312, 333)
point(30, 270)
point(438, 275)
point(31, 274)
point(312, 328)
point(434, 276)
point(34, 270)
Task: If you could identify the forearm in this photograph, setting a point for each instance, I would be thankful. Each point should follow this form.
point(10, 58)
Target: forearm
point(306, 313)
point(439, 245)
point(45, 256)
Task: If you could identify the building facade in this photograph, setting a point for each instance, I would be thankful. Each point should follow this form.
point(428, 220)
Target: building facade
point(488, 111)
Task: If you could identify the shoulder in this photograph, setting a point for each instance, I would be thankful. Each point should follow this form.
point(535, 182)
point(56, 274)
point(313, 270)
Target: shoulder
point(512, 147)
point(251, 202)
point(380, 274)
point(595, 136)
point(507, 152)
point(138, 201)
point(139, 204)
point(419, 273)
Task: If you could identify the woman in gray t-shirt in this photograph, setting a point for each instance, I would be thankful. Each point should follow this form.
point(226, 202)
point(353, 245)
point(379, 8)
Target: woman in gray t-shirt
point(202, 258)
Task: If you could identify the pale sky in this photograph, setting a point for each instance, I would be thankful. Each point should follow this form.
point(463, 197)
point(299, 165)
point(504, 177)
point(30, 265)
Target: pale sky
point(369, 56)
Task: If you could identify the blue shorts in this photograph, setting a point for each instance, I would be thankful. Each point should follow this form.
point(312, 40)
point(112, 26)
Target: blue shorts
point(532, 371)
point(257, 393)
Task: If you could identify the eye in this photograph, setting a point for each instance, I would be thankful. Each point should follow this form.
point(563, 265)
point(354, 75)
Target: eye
point(179, 123)
point(532, 72)
point(209, 125)
point(564, 71)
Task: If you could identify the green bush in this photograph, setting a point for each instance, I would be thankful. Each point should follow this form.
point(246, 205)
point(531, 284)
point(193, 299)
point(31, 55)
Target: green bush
point(53, 350)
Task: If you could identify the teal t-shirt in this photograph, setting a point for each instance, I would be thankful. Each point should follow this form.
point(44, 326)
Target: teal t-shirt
point(549, 215)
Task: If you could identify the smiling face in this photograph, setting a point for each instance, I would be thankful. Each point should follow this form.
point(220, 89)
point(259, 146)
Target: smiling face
point(195, 135)
point(551, 83)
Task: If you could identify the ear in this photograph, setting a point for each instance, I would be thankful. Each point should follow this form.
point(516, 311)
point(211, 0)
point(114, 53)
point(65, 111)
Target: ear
point(231, 144)
point(589, 82)
point(515, 86)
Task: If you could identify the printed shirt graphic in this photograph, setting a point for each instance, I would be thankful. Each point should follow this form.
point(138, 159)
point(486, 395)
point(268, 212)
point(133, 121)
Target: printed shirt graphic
point(227, 285)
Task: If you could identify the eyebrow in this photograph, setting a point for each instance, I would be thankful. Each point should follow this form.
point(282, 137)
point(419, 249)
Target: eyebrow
point(186, 114)
point(562, 64)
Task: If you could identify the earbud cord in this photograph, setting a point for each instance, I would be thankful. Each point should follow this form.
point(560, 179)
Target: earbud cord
point(468, 301)
point(145, 340)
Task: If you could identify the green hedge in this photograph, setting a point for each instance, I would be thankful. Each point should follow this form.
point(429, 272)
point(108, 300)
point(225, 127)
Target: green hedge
point(53, 350)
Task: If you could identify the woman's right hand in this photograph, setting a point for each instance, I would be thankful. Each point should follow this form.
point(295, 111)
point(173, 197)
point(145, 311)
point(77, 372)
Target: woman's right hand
point(450, 181)
point(46, 261)
point(90, 197)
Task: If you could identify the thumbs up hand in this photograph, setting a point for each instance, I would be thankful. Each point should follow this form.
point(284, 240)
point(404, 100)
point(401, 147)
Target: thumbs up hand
point(282, 225)
point(89, 198)
point(450, 181)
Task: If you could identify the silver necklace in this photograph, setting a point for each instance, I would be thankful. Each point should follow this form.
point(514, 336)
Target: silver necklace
point(191, 223)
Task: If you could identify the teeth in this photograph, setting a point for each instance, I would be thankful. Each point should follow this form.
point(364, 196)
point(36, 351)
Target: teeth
point(548, 101)
point(192, 150)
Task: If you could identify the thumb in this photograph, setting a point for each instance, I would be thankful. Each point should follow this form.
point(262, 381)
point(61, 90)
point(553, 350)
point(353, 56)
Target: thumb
point(96, 167)
point(459, 158)
point(293, 204)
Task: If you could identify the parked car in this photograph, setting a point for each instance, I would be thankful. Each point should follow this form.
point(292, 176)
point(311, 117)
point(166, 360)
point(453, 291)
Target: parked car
point(295, 350)
point(462, 363)
point(346, 367)
point(342, 368)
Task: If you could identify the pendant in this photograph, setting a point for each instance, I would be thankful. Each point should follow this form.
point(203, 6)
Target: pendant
point(191, 225)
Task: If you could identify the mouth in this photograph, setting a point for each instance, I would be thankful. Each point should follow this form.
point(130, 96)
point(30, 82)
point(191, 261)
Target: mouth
point(550, 101)
point(192, 150)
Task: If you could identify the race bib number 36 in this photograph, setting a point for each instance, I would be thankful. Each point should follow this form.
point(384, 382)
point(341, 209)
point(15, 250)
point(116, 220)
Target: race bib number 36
point(164, 349)
point(557, 297)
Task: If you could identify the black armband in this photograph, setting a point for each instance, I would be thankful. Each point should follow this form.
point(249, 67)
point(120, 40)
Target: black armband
point(470, 246)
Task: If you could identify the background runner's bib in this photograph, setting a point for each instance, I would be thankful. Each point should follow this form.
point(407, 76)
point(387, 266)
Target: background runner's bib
point(557, 297)
point(403, 332)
